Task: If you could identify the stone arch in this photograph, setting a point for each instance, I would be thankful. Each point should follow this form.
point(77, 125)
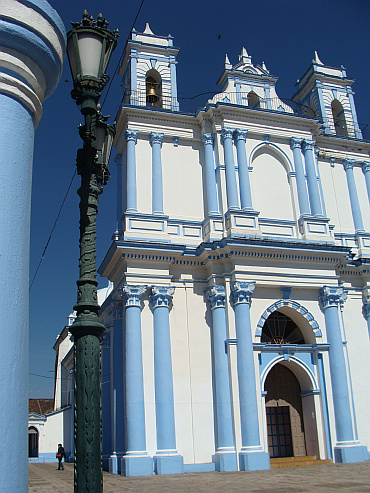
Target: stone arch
point(305, 377)
point(298, 313)
point(274, 150)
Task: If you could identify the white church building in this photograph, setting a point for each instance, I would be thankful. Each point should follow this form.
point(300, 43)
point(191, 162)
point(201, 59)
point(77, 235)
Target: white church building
point(238, 310)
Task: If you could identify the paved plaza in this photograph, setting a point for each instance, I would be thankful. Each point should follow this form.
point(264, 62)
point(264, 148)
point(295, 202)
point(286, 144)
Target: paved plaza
point(45, 478)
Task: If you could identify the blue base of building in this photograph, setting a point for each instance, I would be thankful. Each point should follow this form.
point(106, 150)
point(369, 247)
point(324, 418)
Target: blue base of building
point(225, 462)
point(137, 465)
point(351, 453)
point(254, 461)
point(168, 464)
point(203, 467)
point(115, 464)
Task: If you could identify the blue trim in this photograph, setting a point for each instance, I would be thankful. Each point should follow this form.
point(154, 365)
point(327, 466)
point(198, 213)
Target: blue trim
point(25, 41)
point(16, 75)
point(269, 144)
point(47, 11)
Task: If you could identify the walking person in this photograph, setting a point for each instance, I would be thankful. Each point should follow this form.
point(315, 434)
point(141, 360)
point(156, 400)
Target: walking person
point(60, 455)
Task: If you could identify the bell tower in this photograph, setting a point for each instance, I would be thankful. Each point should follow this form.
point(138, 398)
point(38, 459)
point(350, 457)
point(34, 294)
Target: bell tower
point(148, 71)
point(325, 92)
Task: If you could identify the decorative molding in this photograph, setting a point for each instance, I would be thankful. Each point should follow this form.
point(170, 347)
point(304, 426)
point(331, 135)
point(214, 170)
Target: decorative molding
point(295, 143)
point(161, 296)
point(116, 309)
point(241, 292)
point(365, 166)
point(348, 163)
point(292, 304)
point(131, 135)
point(207, 139)
point(332, 296)
point(156, 138)
point(240, 134)
point(132, 294)
point(227, 133)
point(308, 145)
point(215, 296)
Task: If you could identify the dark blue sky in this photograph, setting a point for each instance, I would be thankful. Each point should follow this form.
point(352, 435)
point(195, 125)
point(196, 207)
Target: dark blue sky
point(284, 34)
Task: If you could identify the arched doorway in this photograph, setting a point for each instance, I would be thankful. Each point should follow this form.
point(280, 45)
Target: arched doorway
point(284, 416)
point(33, 442)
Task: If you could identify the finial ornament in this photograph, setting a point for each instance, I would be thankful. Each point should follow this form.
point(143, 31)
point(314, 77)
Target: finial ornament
point(147, 29)
point(227, 62)
point(317, 59)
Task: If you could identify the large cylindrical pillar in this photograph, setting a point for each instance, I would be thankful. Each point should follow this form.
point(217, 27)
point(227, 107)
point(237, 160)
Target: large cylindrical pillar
point(313, 188)
point(32, 40)
point(211, 185)
point(295, 145)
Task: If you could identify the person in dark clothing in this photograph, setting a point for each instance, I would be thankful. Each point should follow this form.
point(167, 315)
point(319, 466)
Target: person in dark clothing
point(60, 455)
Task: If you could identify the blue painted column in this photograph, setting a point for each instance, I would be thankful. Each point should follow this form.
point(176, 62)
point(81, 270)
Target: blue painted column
point(134, 97)
point(156, 140)
point(131, 138)
point(346, 449)
point(225, 456)
point(211, 185)
point(167, 460)
point(251, 457)
point(136, 461)
point(244, 184)
point(119, 229)
point(313, 189)
point(366, 172)
point(231, 188)
point(366, 310)
point(32, 40)
point(118, 426)
point(358, 133)
point(174, 101)
point(106, 397)
point(304, 206)
point(353, 196)
point(317, 151)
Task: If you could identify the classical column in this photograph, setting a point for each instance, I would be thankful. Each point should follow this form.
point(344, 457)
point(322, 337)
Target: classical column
point(136, 461)
point(174, 101)
point(118, 427)
point(106, 396)
point(156, 140)
point(119, 229)
point(353, 196)
point(32, 40)
point(304, 206)
point(366, 172)
point(211, 185)
point(134, 96)
point(251, 457)
point(166, 460)
point(131, 137)
point(313, 189)
point(244, 185)
point(366, 310)
point(231, 188)
point(346, 450)
point(225, 456)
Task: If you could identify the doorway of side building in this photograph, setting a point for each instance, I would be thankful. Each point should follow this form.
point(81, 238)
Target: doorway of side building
point(33, 442)
point(284, 415)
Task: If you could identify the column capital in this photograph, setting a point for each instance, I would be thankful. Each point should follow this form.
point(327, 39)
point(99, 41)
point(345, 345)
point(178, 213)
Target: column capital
point(215, 296)
point(207, 139)
point(240, 134)
point(366, 306)
point(348, 163)
point(227, 133)
point(295, 143)
point(316, 151)
point(308, 144)
point(241, 292)
point(132, 294)
point(131, 135)
point(115, 309)
point(161, 296)
point(118, 159)
point(365, 166)
point(156, 138)
point(332, 296)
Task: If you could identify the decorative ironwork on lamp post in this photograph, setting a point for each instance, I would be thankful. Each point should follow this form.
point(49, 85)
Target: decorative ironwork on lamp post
point(90, 45)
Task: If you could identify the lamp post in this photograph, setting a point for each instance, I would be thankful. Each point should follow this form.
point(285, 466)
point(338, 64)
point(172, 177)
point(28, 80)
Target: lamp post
point(89, 47)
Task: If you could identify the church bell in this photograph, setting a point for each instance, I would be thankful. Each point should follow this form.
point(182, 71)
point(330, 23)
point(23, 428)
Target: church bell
point(152, 96)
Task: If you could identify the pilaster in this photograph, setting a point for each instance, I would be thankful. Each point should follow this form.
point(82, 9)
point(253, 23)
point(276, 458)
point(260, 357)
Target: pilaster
point(231, 188)
point(118, 232)
point(131, 138)
point(156, 140)
point(296, 146)
point(313, 189)
point(366, 172)
point(244, 185)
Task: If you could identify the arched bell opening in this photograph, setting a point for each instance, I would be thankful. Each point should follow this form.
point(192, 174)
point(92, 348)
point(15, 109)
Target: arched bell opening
point(153, 83)
point(339, 119)
point(253, 100)
point(33, 442)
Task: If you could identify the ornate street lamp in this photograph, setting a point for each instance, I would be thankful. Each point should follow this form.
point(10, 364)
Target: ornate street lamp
point(89, 47)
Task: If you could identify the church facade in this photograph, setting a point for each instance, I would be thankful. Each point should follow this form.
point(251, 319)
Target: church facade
point(239, 310)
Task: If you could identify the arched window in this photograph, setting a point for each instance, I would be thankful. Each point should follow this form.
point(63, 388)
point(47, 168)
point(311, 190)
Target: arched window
point(253, 100)
point(153, 82)
point(33, 442)
point(311, 112)
point(339, 119)
point(280, 329)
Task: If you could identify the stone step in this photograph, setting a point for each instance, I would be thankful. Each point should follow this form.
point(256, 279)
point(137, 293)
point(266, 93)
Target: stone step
point(308, 460)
